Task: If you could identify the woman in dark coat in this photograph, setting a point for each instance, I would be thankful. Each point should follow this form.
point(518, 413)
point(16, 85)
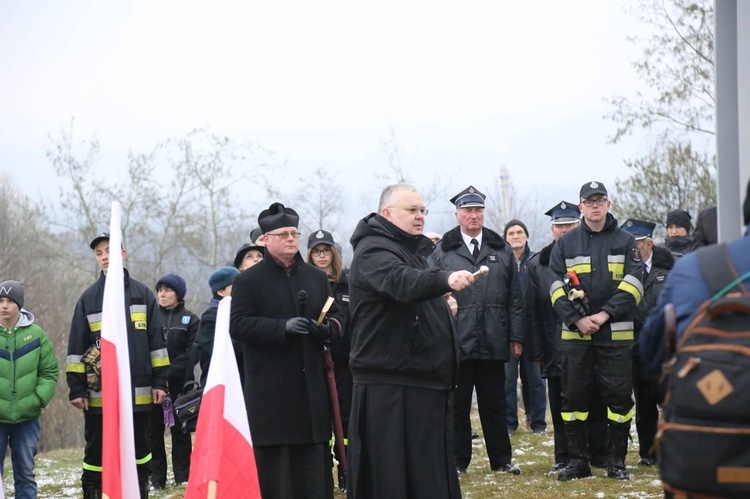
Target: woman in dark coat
point(322, 253)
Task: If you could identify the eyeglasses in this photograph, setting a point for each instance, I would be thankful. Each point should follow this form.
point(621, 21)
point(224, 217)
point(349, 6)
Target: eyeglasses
point(324, 251)
point(413, 210)
point(592, 202)
point(285, 235)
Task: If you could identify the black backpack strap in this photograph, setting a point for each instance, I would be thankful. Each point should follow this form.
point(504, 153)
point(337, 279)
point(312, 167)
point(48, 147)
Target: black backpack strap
point(716, 267)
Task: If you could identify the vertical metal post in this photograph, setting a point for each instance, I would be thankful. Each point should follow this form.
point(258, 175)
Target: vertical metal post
point(732, 59)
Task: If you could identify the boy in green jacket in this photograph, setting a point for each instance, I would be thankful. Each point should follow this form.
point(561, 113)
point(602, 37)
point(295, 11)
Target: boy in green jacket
point(28, 376)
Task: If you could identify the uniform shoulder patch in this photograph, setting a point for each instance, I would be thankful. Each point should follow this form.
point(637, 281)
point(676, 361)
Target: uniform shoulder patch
point(186, 319)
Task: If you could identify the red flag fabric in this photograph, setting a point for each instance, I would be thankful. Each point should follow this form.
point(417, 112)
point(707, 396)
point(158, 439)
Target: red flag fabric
point(119, 474)
point(223, 463)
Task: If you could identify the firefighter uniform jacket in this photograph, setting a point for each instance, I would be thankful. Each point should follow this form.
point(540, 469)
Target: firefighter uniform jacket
point(149, 361)
point(609, 268)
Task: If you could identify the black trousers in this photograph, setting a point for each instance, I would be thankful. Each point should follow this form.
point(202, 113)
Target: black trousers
point(92, 454)
point(182, 446)
point(294, 471)
point(554, 393)
point(609, 368)
point(646, 414)
point(401, 443)
point(596, 424)
point(488, 378)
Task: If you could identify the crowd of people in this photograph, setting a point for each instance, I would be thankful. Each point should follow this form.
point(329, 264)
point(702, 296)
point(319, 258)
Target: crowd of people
point(415, 328)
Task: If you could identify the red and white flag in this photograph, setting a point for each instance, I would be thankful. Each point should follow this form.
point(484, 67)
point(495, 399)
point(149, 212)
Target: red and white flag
point(119, 475)
point(223, 463)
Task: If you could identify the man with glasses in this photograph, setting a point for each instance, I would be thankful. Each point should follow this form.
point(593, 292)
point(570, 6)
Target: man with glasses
point(597, 331)
point(275, 307)
point(404, 356)
point(490, 328)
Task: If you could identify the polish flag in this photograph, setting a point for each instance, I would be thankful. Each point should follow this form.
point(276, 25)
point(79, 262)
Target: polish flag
point(119, 475)
point(223, 463)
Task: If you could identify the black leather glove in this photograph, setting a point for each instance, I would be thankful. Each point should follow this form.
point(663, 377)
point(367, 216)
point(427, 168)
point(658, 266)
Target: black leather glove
point(297, 325)
point(321, 332)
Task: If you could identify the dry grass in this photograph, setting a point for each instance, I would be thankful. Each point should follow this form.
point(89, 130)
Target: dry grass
point(58, 473)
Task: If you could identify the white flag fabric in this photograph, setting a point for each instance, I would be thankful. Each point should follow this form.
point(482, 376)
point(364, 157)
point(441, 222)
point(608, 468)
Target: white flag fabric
point(119, 474)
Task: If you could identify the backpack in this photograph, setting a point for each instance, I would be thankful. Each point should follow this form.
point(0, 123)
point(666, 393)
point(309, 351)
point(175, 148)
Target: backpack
point(704, 442)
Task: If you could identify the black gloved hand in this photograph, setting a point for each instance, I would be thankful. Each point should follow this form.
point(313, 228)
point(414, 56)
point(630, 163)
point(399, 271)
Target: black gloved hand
point(297, 325)
point(321, 332)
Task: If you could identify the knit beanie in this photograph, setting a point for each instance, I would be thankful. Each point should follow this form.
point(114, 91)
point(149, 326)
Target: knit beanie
point(513, 223)
point(222, 277)
point(679, 217)
point(12, 290)
point(175, 282)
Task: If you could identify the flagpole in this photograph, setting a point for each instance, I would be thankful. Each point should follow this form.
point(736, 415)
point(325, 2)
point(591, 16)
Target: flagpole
point(212, 486)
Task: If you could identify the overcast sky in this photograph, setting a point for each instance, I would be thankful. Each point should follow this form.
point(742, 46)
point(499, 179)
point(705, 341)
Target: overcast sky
point(465, 86)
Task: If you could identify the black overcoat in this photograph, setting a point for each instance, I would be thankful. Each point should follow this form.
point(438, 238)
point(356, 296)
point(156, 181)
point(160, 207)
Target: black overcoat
point(285, 387)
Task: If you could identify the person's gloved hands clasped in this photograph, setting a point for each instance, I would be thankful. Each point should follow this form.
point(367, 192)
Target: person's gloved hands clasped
point(321, 332)
point(297, 325)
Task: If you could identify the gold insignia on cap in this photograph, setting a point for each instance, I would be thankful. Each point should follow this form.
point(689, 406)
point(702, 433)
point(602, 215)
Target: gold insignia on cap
point(471, 190)
point(563, 205)
point(593, 185)
point(320, 234)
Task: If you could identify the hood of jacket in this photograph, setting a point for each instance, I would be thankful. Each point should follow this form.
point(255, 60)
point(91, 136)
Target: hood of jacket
point(662, 258)
point(375, 225)
point(25, 318)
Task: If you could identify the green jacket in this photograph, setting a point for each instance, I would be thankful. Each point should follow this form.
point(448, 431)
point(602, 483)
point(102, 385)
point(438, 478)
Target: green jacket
point(28, 370)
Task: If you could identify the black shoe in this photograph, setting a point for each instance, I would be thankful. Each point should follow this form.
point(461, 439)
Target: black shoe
point(511, 469)
point(647, 461)
point(559, 466)
point(618, 473)
point(461, 471)
point(92, 491)
point(574, 470)
point(474, 435)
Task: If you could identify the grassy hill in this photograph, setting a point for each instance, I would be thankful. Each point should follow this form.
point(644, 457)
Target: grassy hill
point(58, 474)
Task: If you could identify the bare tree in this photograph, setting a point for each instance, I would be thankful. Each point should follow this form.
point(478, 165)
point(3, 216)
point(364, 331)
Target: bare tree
point(399, 173)
point(678, 105)
point(677, 66)
point(32, 254)
point(185, 203)
point(678, 177)
point(319, 201)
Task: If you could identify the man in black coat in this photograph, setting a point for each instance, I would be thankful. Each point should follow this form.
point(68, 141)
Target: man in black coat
point(404, 356)
point(657, 262)
point(274, 307)
point(489, 325)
